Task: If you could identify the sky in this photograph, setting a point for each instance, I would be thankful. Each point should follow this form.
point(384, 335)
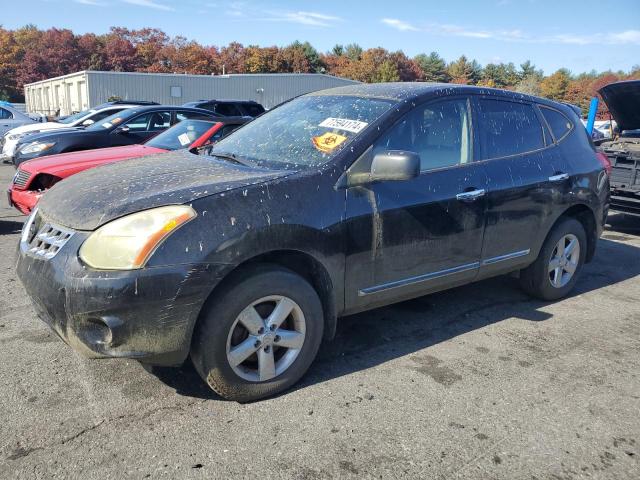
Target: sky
point(579, 35)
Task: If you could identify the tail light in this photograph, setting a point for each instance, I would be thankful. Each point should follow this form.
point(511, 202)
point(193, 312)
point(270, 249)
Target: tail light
point(604, 161)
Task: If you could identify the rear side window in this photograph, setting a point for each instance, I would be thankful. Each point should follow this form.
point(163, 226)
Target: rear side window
point(253, 110)
point(558, 123)
point(228, 110)
point(508, 128)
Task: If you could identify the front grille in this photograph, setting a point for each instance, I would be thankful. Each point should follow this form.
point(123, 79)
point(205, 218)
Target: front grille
point(49, 240)
point(21, 179)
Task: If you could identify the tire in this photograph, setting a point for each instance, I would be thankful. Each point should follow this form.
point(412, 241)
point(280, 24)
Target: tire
point(221, 338)
point(538, 280)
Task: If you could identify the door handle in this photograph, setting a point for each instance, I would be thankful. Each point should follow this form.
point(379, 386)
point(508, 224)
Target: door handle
point(561, 177)
point(470, 196)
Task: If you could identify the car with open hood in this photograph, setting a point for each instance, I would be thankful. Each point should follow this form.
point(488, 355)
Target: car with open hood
point(35, 177)
point(623, 100)
point(333, 203)
point(127, 127)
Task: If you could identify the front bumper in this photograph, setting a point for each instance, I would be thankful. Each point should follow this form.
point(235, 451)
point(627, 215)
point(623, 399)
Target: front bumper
point(146, 314)
point(8, 150)
point(24, 200)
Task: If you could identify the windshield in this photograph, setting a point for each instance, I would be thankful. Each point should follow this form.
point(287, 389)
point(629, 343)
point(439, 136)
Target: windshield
point(112, 120)
point(181, 135)
point(76, 116)
point(306, 132)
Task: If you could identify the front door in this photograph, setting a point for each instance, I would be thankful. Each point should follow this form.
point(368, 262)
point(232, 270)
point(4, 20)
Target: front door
point(141, 128)
point(407, 238)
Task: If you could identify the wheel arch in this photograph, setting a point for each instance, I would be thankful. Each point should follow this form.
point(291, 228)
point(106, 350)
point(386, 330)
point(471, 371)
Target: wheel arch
point(299, 262)
point(586, 216)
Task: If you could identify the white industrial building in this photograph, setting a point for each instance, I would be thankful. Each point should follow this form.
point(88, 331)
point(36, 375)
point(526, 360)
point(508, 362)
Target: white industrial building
point(79, 91)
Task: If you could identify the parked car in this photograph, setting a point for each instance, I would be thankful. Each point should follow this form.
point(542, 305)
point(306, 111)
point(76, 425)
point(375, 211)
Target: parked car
point(83, 119)
point(229, 108)
point(11, 117)
point(334, 203)
point(35, 177)
point(623, 100)
point(127, 127)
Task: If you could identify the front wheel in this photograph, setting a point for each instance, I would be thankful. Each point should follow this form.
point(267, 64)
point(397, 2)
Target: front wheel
point(259, 334)
point(555, 271)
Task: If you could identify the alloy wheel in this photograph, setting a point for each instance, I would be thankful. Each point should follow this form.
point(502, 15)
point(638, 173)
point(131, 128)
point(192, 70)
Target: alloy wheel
point(266, 338)
point(564, 260)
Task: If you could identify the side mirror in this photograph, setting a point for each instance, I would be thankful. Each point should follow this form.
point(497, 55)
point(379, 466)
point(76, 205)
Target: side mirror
point(122, 129)
point(88, 122)
point(391, 165)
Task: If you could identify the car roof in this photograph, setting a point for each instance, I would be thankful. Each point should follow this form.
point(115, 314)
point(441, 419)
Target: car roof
point(153, 108)
point(419, 91)
point(202, 100)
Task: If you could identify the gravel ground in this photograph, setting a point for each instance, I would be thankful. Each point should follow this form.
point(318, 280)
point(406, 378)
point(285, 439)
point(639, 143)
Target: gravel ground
point(476, 382)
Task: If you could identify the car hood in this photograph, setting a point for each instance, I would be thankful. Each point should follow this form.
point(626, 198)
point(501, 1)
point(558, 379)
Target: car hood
point(94, 197)
point(73, 162)
point(623, 100)
point(34, 127)
point(56, 134)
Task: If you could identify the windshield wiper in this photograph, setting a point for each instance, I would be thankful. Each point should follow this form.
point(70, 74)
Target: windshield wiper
point(233, 157)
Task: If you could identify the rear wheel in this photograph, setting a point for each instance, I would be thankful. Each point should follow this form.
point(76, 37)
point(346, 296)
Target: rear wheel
point(555, 271)
point(258, 335)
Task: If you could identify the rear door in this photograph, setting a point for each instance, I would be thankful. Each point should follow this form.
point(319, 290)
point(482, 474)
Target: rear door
point(513, 152)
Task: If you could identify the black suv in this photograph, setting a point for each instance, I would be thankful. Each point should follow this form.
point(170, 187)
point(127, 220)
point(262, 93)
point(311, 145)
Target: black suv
point(229, 108)
point(127, 127)
point(333, 203)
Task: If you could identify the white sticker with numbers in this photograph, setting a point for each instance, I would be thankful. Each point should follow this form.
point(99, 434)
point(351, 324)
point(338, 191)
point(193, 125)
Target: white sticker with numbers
point(353, 126)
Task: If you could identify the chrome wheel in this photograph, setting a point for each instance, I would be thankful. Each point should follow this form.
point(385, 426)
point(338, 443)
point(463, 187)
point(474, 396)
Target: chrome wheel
point(266, 338)
point(564, 260)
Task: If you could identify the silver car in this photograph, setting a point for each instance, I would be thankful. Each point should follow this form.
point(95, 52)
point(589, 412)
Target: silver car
point(10, 117)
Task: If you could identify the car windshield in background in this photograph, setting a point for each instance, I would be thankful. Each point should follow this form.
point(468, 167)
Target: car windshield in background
point(112, 120)
point(76, 116)
point(305, 132)
point(181, 135)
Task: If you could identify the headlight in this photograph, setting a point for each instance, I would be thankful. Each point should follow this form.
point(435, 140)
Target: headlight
point(128, 242)
point(36, 147)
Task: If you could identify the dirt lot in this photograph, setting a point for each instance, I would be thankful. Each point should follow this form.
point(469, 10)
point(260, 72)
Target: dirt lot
point(478, 382)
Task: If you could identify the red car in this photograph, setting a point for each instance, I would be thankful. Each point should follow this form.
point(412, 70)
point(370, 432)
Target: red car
point(34, 177)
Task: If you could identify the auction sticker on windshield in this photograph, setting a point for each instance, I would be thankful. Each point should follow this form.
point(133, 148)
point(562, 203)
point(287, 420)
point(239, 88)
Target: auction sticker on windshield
point(184, 139)
point(353, 126)
point(328, 141)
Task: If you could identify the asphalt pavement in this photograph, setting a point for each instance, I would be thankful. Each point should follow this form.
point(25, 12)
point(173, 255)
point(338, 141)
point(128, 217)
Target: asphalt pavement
point(480, 382)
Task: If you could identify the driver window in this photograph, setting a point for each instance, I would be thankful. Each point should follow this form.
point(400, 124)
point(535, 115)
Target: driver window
point(439, 132)
point(150, 122)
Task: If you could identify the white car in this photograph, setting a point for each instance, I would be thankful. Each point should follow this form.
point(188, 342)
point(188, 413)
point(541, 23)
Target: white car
point(82, 119)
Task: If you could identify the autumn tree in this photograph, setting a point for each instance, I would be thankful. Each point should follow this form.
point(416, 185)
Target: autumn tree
point(233, 57)
point(464, 71)
point(433, 66)
point(555, 86)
